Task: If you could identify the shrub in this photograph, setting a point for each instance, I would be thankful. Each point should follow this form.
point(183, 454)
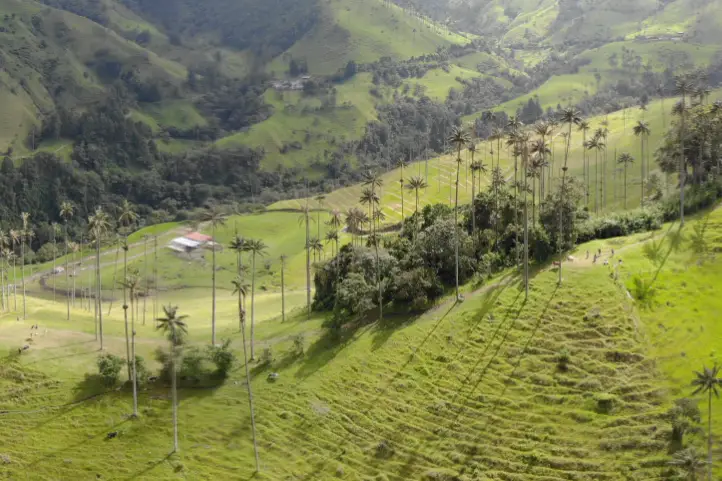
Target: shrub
point(191, 368)
point(605, 402)
point(222, 357)
point(298, 344)
point(109, 367)
point(141, 370)
point(563, 359)
point(266, 357)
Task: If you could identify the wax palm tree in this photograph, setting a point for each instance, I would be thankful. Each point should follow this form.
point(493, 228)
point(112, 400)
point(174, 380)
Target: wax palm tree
point(66, 213)
point(99, 224)
point(596, 144)
point(54, 230)
point(316, 248)
point(238, 245)
point(708, 382)
point(477, 168)
point(372, 181)
point(416, 183)
point(625, 159)
point(459, 137)
point(401, 165)
point(570, 116)
point(130, 284)
point(584, 127)
point(216, 218)
point(283, 287)
point(126, 218)
point(471, 148)
point(353, 221)
point(642, 131)
point(173, 325)
point(319, 200)
point(15, 237)
point(335, 219)
point(306, 220)
point(25, 217)
point(690, 462)
point(240, 288)
point(257, 248)
point(332, 238)
point(683, 87)
point(540, 148)
point(5, 255)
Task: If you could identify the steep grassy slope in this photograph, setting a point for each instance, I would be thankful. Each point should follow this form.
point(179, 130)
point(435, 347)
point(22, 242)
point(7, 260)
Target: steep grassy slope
point(472, 391)
point(363, 32)
point(52, 57)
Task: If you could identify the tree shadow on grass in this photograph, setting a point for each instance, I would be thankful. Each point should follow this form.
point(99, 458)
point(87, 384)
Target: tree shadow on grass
point(326, 348)
point(150, 467)
point(53, 455)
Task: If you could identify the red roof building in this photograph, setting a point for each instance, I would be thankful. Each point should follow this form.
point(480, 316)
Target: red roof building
point(198, 237)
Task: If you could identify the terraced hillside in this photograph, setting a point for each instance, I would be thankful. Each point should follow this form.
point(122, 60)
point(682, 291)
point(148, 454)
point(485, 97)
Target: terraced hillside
point(469, 391)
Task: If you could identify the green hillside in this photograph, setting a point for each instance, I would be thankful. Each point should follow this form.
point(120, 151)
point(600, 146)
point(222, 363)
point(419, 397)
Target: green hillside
point(472, 390)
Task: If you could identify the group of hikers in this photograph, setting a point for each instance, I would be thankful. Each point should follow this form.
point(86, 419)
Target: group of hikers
point(598, 255)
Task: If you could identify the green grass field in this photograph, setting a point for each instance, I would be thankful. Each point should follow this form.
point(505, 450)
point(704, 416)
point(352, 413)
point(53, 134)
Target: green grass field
point(363, 32)
point(471, 390)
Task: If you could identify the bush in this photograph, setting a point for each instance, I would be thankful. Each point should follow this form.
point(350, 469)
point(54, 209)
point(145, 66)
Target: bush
point(266, 357)
point(191, 368)
point(141, 370)
point(621, 224)
point(563, 360)
point(605, 402)
point(298, 344)
point(109, 367)
point(222, 357)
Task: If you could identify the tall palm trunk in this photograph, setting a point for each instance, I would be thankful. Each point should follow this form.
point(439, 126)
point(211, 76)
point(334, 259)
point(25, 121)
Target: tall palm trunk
point(378, 264)
point(100, 290)
point(156, 298)
point(81, 273)
point(74, 277)
point(22, 271)
point(597, 187)
point(526, 224)
point(115, 270)
point(283, 291)
point(402, 192)
point(253, 304)
point(682, 166)
point(248, 384)
point(174, 393)
point(213, 282)
point(625, 185)
point(586, 164)
point(533, 201)
point(67, 284)
point(642, 146)
point(55, 257)
point(15, 281)
point(709, 436)
point(308, 269)
point(125, 316)
point(561, 197)
point(456, 224)
point(145, 275)
point(473, 202)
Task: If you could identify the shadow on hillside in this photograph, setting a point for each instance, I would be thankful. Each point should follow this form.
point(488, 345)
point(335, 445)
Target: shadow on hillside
point(52, 456)
point(490, 298)
point(326, 348)
point(150, 467)
point(510, 376)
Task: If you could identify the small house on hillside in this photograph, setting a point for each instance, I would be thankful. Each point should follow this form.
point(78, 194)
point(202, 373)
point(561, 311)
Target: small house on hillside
point(191, 242)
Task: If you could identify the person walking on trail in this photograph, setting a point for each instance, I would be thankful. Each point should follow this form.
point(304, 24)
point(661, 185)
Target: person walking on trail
point(595, 259)
point(587, 253)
